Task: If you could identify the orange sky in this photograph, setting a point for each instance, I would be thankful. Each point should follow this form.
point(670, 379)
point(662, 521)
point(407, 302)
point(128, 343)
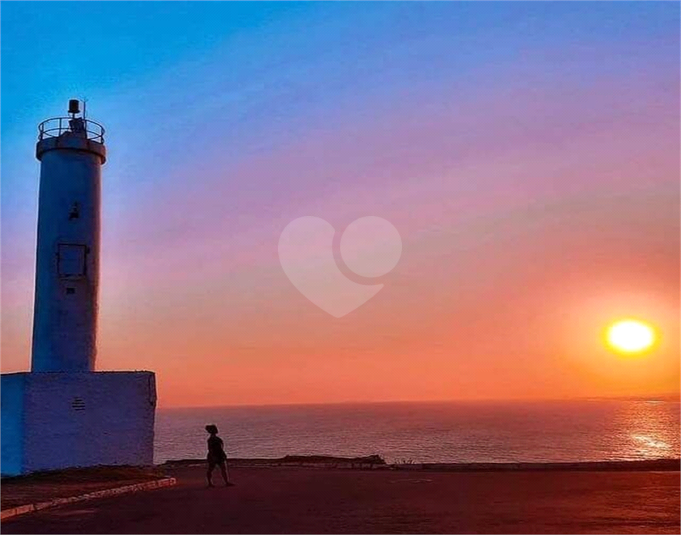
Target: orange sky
point(536, 190)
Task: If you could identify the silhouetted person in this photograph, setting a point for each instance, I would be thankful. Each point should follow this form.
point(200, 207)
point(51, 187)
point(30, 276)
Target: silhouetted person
point(216, 456)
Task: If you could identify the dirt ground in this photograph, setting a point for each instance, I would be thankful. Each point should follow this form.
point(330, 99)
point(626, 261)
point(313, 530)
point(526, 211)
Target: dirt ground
point(46, 486)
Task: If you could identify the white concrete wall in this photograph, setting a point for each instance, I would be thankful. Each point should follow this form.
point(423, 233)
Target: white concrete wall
point(12, 414)
point(84, 419)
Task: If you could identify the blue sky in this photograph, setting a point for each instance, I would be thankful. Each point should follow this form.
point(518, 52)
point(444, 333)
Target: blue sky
point(227, 120)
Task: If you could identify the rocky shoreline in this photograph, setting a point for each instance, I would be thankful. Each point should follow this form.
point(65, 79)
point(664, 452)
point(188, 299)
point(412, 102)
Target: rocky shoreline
point(375, 462)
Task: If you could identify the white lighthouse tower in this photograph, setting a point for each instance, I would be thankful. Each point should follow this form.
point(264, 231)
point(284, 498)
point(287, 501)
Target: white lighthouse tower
point(71, 153)
point(63, 413)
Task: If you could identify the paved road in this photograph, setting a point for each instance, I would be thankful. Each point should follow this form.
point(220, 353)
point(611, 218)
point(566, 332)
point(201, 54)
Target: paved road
point(300, 500)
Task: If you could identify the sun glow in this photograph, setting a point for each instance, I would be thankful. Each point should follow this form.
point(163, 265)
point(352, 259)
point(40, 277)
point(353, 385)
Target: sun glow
point(630, 336)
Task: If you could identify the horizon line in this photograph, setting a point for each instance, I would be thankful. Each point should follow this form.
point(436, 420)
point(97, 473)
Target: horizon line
point(666, 397)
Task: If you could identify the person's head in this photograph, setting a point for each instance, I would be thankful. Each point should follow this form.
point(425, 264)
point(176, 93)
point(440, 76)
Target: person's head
point(212, 429)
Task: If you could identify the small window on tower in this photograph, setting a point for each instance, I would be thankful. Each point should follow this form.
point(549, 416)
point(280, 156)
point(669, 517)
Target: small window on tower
point(70, 291)
point(74, 213)
point(71, 260)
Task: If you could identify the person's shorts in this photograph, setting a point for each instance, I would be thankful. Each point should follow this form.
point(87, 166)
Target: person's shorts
point(213, 461)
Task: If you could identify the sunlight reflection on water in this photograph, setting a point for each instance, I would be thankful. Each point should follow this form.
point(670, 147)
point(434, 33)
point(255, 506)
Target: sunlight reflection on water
point(649, 428)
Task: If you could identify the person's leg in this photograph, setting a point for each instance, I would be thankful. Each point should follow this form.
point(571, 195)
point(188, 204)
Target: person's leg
point(225, 475)
point(209, 474)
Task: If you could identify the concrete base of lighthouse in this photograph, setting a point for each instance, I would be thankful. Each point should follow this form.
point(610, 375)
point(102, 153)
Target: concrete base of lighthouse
point(59, 420)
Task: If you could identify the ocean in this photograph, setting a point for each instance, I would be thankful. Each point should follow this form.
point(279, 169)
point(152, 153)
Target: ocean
point(547, 431)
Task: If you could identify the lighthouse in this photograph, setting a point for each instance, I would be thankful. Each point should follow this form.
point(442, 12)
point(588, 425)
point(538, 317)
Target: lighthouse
point(64, 413)
point(71, 152)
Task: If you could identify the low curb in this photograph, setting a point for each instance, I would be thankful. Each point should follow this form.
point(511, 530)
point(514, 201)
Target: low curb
point(32, 507)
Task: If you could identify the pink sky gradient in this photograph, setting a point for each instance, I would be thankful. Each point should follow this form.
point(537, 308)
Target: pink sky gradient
point(537, 199)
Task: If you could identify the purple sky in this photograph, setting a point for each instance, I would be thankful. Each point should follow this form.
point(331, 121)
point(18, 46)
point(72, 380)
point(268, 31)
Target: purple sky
point(528, 154)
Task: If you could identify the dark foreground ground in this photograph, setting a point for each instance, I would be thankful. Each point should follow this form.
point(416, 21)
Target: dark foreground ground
point(46, 486)
point(314, 500)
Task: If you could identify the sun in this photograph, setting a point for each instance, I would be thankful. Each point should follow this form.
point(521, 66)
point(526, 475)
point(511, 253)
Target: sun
point(630, 336)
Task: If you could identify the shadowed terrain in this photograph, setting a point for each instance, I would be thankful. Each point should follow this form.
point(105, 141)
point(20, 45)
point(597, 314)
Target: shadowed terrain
point(321, 500)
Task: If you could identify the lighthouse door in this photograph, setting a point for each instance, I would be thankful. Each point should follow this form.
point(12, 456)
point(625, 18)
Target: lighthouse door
point(71, 260)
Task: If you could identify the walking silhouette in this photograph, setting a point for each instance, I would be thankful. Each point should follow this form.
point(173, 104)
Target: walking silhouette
point(216, 456)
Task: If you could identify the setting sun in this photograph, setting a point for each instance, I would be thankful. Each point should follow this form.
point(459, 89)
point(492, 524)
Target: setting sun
point(630, 336)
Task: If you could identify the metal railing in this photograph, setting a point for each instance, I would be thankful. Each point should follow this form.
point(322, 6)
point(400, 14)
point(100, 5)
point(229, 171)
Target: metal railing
point(73, 126)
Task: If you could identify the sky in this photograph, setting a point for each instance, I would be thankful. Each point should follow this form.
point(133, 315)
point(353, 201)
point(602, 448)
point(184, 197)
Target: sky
point(527, 154)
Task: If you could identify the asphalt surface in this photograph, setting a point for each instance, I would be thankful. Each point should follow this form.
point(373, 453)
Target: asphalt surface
point(309, 500)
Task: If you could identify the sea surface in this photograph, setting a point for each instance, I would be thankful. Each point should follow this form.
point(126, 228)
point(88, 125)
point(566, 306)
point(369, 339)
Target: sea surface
point(547, 431)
